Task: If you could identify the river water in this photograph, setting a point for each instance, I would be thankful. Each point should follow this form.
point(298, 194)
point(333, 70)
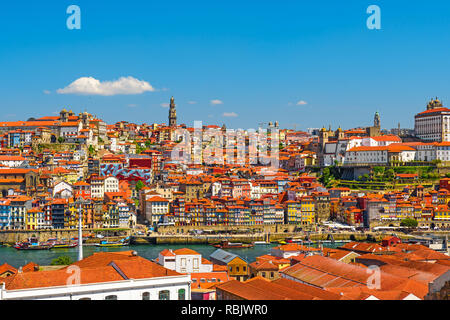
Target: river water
point(17, 258)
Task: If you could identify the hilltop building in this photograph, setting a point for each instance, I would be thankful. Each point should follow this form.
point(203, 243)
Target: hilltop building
point(433, 124)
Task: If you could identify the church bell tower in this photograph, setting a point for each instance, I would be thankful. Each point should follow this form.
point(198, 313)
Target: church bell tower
point(172, 113)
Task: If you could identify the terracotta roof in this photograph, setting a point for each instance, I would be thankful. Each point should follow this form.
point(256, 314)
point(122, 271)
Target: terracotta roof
point(100, 267)
point(261, 289)
point(6, 267)
point(185, 251)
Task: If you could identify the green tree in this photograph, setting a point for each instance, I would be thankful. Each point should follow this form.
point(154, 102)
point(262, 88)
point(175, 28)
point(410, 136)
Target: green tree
point(436, 161)
point(139, 185)
point(325, 179)
point(389, 174)
point(62, 261)
point(409, 222)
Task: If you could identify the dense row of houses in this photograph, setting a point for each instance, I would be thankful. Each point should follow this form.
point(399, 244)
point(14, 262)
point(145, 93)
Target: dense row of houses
point(127, 174)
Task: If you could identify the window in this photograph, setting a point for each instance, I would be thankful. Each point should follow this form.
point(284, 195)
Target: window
point(111, 297)
point(146, 296)
point(164, 295)
point(263, 274)
point(237, 269)
point(182, 294)
point(86, 298)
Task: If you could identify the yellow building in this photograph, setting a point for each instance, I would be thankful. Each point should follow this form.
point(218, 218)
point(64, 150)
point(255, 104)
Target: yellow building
point(32, 218)
point(442, 213)
point(293, 212)
point(238, 269)
point(308, 210)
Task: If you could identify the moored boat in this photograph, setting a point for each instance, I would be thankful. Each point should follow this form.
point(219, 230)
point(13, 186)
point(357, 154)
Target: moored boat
point(260, 242)
point(32, 244)
point(62, 244)
point(232, 245)
point(121, 243)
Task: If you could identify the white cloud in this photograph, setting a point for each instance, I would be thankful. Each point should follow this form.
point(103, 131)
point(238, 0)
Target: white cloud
point(216, 102)
point(47, 91)
point(132, 105)
point(229, 114)
point(92, 86)
point(192, 102)
point(302, 103)
point(165, 105)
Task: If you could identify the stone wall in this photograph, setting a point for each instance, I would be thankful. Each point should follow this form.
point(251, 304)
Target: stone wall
point(13, 236)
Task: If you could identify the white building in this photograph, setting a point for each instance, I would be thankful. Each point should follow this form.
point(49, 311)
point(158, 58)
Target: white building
point(434, 123)
point(426, 151)
point(62, 190)
point(125, 216)
point(12, 161)
point(443, 151)
point(184, 261)
point(380, 155)
point(67, 129)
point(155, 208)
point(255, 190)
point(100, 185)
point(337, 150)
point(102, 276)
point(111, 184)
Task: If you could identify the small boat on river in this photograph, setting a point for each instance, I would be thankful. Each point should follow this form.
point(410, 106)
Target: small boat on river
point(112, 244)
point(232, 245)
point(32, 244)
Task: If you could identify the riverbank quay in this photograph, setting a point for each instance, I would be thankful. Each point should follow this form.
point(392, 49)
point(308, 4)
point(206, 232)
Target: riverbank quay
point(245, 238)
point(10, 237)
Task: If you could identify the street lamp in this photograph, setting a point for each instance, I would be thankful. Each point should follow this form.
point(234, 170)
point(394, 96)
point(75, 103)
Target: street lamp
point(80, 201)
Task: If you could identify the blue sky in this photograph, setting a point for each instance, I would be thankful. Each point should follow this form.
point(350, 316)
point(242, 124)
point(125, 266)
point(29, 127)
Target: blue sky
point(258, 57)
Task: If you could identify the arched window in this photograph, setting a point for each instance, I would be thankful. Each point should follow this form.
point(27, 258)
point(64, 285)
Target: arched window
point(146, 296)
point(164, 295)
point(111, 297)
point(182, 294)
